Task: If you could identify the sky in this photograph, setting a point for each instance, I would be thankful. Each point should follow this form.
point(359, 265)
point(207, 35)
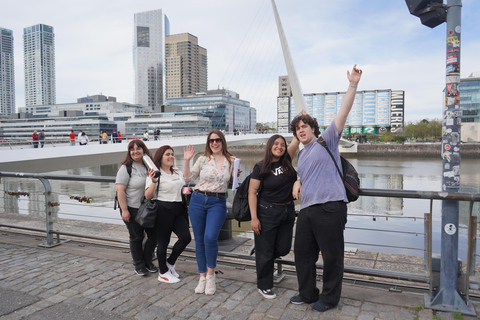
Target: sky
point(94, 47)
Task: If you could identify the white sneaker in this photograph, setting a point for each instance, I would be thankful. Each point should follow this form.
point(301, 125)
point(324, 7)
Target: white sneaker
point(201, 285)
point(167, 277)
point(172, 270)
point(210, 288)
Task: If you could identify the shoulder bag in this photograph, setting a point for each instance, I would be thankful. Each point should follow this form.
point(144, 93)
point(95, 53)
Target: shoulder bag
point(147, 212)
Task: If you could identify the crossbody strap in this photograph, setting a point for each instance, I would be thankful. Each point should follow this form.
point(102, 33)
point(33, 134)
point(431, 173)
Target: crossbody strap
point(324, 144)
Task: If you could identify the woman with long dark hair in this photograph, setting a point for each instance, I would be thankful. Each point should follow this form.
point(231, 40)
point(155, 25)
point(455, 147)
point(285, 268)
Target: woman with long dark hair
point(272, 210)
point(207, 208)
point(170, 213)
point(130, 187)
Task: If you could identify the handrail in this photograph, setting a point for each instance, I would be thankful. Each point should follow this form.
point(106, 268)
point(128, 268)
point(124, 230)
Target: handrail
point(413, 194)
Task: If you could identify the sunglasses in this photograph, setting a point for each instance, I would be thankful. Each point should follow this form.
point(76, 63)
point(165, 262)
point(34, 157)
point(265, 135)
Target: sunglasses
point(217, 140)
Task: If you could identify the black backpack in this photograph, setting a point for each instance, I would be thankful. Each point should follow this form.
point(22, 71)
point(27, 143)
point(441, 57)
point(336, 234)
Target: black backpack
point(349, 177)
point(240, 208)
point(115, 202)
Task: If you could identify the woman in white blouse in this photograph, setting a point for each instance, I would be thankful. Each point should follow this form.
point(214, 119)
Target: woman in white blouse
point(207, 208)
point(170, 214)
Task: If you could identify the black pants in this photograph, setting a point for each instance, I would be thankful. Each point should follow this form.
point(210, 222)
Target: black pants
point(141, 255)
point(274, 240)
point(320, 228)
point(170, 219)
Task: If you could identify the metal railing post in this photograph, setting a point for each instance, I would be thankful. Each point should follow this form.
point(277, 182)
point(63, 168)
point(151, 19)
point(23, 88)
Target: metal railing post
point(48, 210)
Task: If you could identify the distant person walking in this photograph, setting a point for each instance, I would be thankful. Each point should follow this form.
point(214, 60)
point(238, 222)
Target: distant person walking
point(119, 136)
point(145, 136)
point(35, 139)
point(72, 138)
point(156, 134)
point(41, 137)
point(82, 138)
point(104, 138)
point(114, 136)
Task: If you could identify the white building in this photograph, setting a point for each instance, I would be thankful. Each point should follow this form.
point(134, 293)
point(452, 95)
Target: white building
point(7, 74)
point(39, 64)
point(151, 28)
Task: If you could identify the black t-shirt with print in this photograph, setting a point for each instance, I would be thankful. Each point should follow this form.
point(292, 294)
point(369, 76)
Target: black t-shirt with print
point(277, 186)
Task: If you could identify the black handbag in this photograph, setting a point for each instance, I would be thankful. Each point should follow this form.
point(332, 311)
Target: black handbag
point(147, 212)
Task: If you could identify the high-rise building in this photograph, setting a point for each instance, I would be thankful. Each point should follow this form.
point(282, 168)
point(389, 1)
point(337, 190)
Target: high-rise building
point(7, 73)
point(39, 64)
point(186, 66)
point(151, 28)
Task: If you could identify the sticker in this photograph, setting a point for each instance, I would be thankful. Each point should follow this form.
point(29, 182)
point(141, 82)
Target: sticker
point(456, 149)
point(447, 147)
point(453, 50)
point(457, 29)
point(452, 59)
point(453, 68)
point(453, 42)
point(450, 32)
point(450, 229)
point(448, 174)
point(453, 78)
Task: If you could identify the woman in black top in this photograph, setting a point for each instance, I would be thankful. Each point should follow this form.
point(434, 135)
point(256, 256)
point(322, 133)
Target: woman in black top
point(273, 212)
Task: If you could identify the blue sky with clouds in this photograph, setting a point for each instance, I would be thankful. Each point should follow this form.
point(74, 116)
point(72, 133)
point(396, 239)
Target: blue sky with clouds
point(94, 46)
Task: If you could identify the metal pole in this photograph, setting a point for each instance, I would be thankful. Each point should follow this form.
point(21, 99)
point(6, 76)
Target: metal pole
point(447, 297)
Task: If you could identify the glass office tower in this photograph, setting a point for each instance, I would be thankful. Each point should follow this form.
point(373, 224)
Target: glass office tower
point(7, 74)
point(39, 64)
point(150, 30)
point(470, 98)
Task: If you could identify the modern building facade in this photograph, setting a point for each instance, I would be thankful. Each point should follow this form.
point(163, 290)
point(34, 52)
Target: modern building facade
point(39, 64)
point(7, 73)
point(223, 107)
point(470, 98)
point(150, 30)
point(186, 66)
point(470, 107)
point(373, 111)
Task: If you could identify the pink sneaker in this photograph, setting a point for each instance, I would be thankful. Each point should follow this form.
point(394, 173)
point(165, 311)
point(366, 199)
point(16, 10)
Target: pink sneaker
point(167, 277)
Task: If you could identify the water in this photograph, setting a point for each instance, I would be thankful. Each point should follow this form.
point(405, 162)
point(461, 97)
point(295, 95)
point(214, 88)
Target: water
point(402, 215)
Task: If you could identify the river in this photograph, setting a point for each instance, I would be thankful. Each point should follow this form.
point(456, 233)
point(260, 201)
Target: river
point(366, 217)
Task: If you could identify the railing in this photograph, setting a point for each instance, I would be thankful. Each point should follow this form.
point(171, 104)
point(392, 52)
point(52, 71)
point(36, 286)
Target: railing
point(50, 206)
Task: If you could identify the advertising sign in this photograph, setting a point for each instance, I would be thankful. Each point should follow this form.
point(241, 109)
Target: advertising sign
point(383, 108)
point(319, 109)
point(330, 107)
point(396, 111)
point(369, 99)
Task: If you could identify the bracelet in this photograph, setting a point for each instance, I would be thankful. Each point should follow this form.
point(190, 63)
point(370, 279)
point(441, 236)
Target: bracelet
point(353, 86)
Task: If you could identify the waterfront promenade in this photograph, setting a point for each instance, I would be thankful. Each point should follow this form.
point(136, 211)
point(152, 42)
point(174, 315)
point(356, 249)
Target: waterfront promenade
point(92, 281)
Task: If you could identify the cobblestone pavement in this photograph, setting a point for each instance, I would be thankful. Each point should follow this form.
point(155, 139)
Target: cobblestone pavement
point(74, 281)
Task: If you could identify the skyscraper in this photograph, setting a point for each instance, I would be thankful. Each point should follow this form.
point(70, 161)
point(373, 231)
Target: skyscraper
point(151, 28)
point(186, 66)
point(7, 74)
point(39, 63)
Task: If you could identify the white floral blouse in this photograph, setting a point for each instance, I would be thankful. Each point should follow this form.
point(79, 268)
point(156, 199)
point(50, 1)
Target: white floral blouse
point(211, 179)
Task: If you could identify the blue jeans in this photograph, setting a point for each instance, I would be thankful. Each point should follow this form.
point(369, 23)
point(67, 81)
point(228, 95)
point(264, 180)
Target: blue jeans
point(207, 214)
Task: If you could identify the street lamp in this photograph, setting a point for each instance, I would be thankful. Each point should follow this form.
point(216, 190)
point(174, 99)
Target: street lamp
point(433, 13)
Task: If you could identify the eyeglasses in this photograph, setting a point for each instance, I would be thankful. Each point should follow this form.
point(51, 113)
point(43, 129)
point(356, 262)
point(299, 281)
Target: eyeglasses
point(217, 140)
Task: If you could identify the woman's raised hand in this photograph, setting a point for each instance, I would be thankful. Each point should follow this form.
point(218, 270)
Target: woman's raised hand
point(188, 152)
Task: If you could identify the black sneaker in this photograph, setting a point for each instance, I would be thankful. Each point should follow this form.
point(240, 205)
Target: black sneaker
point(141, 272)
point(296, 300)
point(267, 294)
point(151, 268)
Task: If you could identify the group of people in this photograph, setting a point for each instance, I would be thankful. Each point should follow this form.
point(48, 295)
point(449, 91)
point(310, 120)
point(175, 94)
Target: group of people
point(38, 137)
point(274, 185)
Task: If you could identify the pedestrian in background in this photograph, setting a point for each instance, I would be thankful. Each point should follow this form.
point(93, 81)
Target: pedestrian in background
point(104, 137)
point(72, 138)
point(82, 138)
point(35, 139)
point(41, 138)
point(145, 136)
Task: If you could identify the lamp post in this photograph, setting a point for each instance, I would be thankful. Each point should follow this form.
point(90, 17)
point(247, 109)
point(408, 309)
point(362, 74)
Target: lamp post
point(433, 13)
